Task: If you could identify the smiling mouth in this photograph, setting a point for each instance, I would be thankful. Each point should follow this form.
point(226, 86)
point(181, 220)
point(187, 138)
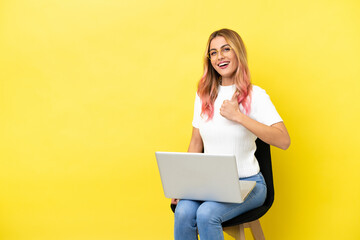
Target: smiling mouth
point(223, 64)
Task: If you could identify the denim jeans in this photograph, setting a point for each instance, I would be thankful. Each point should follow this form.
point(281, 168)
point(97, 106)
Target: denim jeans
point(207, 216)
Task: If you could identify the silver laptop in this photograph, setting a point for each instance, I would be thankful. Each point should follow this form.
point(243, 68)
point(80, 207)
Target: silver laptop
point(200, 176)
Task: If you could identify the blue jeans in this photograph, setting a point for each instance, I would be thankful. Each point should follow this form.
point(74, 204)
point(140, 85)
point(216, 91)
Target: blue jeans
point(207, 216)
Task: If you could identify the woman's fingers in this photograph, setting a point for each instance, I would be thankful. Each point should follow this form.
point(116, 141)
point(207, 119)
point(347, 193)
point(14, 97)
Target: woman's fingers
point(174, 201)
point(230, 108)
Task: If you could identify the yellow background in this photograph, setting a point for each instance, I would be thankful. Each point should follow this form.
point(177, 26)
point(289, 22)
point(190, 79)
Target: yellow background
point(90, 89)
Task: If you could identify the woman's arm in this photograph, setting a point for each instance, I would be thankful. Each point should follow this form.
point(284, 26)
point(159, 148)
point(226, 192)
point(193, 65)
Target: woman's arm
point(276, 134)
point(196, 146)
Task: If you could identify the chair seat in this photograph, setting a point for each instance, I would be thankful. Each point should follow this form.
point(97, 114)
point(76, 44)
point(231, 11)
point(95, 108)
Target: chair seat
point(249, 216)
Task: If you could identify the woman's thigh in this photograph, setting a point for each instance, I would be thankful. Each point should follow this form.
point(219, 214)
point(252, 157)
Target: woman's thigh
point(221, 212)
point(186, 210)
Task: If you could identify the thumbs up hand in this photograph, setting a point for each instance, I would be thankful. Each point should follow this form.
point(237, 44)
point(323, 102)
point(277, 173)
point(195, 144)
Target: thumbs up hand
point(230, 108)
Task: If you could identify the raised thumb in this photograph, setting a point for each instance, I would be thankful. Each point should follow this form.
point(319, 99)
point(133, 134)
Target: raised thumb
point(235, 96)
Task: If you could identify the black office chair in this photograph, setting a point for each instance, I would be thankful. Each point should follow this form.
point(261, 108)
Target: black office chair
point(250, 218)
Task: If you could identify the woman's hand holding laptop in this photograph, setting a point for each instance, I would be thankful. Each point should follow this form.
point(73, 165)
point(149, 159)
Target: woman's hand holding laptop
point(174, 201)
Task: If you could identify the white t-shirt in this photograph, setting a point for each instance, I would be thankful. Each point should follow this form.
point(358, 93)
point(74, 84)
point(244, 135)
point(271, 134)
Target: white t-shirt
point(222, 136)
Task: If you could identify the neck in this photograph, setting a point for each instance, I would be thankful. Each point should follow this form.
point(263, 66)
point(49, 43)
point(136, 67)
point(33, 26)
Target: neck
point(227, 81)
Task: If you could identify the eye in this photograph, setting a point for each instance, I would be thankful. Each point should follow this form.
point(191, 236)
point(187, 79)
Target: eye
point(226, 49)
point(213, 53)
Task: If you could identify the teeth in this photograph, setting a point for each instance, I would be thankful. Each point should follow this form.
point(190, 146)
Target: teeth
point(223, 64)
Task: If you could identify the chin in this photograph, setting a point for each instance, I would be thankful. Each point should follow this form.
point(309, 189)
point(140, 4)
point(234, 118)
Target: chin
point(227, 75)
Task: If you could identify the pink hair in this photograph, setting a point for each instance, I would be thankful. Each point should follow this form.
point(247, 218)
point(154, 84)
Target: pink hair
point(209, 82)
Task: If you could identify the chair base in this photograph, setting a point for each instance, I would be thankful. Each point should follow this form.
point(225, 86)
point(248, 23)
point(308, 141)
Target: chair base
point(238, 231)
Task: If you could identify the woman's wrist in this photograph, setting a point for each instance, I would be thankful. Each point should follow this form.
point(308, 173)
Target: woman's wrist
point(239, 117)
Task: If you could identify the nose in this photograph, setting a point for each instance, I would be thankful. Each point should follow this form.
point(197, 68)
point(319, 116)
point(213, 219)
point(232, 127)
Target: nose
point(220, 55)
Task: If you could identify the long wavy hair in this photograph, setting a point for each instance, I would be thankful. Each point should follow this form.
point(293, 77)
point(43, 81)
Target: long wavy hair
point(209, 83)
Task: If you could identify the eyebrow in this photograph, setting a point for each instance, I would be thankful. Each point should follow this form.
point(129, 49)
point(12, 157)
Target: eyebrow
point(220, 47)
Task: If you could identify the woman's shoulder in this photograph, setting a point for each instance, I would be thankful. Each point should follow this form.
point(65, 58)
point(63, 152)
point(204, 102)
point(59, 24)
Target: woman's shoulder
point(197, 97)
point(257, 91)
point(258, 96)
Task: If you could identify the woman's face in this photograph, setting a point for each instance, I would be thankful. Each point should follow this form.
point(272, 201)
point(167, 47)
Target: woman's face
point(223, 58)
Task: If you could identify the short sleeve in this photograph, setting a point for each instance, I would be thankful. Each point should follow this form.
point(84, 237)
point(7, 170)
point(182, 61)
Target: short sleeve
point(262, 109)
point(197, 112)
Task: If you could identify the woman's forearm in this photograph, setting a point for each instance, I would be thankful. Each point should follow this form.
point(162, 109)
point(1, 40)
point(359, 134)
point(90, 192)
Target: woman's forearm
point(275, 134)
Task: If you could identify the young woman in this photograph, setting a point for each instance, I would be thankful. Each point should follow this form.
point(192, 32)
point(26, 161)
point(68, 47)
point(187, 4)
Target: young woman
point(230, 113)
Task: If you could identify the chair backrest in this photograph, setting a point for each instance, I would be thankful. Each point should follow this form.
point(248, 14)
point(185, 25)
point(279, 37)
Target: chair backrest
point(263, 156)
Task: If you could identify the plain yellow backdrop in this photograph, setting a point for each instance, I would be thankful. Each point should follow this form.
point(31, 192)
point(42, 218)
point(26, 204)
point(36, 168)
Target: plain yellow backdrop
point(90, 89)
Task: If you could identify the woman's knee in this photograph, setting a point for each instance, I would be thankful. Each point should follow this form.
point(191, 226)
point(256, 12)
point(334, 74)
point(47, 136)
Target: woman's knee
point(205, 216)
point(185, 211)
